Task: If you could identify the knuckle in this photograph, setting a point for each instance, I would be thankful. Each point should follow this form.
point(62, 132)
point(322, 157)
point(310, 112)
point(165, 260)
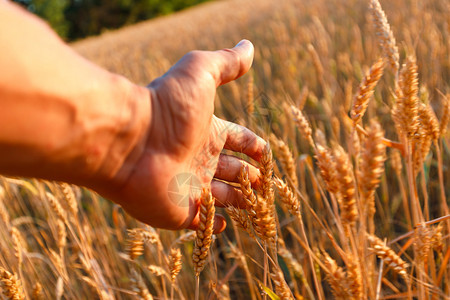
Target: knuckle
point(193, 55)
point(235, 58)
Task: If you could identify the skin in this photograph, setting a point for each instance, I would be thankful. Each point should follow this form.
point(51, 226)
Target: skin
point(64, 118)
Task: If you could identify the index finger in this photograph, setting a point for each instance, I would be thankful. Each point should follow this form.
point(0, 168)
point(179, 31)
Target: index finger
point(241, 139)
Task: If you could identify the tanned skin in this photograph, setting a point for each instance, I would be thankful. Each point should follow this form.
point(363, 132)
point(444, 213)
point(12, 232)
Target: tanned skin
point(64, 118)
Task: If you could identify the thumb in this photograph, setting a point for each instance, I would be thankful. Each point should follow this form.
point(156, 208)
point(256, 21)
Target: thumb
point(231, 64)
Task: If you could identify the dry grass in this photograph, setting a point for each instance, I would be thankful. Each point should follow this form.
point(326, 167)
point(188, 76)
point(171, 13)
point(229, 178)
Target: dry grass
point(360, 165)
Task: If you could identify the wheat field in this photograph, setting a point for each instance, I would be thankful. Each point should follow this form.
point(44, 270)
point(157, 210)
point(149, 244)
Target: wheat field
point(353, 98)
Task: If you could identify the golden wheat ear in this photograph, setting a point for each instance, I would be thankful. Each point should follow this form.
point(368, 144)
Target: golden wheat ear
point(135, 243)
point(11, 286)
point(204, 231)
point(385, 35)
point(365, 91)
point(388, 255)
point(175, 263)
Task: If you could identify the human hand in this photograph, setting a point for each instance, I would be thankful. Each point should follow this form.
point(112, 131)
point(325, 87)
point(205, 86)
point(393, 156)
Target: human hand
point(182, 149)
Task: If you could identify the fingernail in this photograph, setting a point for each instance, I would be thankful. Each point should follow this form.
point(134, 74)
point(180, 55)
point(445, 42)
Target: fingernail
point(242, 42)
point(219, 224)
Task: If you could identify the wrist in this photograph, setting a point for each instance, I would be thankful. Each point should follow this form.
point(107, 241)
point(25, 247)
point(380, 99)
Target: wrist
point(128, 137)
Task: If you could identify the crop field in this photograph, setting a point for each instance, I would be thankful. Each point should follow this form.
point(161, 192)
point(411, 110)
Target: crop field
point(353, 97)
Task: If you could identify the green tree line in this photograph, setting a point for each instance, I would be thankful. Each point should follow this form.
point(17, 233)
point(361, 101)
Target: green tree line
point(75, 19)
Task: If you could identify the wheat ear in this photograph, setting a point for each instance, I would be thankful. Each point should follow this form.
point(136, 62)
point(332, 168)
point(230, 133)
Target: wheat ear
point(250, 95)
point(405, 110)
point(186, 238)
point(156, 270)
point(388, 255)
point(347, 198)
point(247, 192)
point(354, 278)
point(204, 231)
point(4, 215)
point(281, 287)
point(266, 173)
point(385, 36)
point(18, 243)
point(365, 91)
point(135, 243)
point(445, 115)
point(240, 219)
point(290, 260)
point(287, 198)
point(139, 286)
point(336, 277)
point(37, 293)
point(56, 207)
point(286, 159)
point(371, 166)
point(11, 286)
point(302, 125)
point(70, 198)
point(62, 234)
point(327, 165)
point(174, 263)
point(264, 222)
point(427, 132)
point(429, 121)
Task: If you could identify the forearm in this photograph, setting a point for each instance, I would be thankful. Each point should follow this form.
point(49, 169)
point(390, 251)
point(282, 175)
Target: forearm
point(61, 116)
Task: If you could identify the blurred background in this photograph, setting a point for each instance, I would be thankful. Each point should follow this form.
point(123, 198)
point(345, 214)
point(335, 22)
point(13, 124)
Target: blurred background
point(77, 19)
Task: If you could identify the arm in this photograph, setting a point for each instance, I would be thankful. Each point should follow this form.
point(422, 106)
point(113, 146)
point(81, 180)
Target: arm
point(61, 116)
